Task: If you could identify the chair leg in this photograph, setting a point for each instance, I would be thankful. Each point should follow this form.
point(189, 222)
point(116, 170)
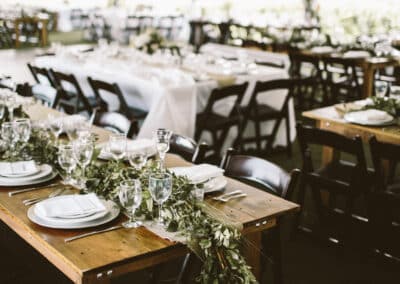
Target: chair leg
point(288, 142)
point(258, 135)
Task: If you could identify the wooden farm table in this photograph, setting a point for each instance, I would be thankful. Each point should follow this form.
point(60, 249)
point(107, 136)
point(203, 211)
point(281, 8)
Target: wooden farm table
point(330, 119)
point(100, 258)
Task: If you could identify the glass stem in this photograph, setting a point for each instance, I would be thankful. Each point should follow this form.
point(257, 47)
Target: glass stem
point(160, 214)
point(132, 219)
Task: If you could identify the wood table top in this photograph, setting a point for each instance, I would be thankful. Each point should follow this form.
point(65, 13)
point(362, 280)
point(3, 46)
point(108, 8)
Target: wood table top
point(329, 115)
point(126, 247)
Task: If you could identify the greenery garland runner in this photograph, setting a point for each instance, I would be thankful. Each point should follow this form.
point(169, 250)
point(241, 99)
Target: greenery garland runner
point(212, 238)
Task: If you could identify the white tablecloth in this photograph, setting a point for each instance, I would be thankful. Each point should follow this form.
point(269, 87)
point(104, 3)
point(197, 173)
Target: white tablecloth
point(170, 95)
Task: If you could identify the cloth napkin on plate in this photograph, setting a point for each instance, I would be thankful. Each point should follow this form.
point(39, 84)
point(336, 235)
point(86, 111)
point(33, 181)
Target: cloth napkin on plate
point(199, 173)
point(17, 168)
point(70, 206)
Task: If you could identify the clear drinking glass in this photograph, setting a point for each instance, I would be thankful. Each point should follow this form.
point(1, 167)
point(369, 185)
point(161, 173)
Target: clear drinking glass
point(67, 161)
point(137, 159)
point(56, 126)
point(381, 89)
point(83, 151)
point(11, 103)
point(23, 130)
point(74, 128)
point(2, 111)
point(9, 135)
point(162, 143)
point(160, 187)
point(117, 146)
point(130, 196)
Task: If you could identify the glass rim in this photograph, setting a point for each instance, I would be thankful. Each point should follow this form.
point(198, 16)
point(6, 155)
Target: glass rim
point(160, 176)
point(134, 181)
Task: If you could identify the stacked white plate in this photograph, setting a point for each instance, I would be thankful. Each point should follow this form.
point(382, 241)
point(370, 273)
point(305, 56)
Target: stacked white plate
point(371, 117)
point(210, 175)
point(24, 173)
point(140, 145)
point(73, 212)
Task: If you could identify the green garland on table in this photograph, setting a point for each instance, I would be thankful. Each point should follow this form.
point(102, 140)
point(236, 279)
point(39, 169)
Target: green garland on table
point(214, 239)
point(390, 105)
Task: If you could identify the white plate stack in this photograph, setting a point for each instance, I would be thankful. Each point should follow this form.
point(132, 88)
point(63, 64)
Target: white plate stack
point(73, 211)
point(212, 176)
point(24, 173)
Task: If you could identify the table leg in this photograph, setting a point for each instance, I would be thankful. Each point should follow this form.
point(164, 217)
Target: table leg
point(44, 33)
point(252, 252)
point(16, 28)
point(368, 81)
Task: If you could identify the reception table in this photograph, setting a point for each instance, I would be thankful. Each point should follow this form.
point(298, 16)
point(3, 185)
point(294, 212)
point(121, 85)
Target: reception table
point(102, 257)
point(172, 94)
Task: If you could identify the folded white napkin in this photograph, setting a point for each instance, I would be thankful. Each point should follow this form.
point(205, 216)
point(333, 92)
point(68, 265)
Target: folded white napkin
point(70, 206)
point(374, 115)
point(17, 168)
point(199, 173)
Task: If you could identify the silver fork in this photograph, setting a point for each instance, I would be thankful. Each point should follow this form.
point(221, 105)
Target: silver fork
point(32, 201)
point(67, 240)
point(226, 199)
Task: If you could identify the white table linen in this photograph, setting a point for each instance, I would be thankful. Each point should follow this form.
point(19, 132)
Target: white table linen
point(170, 95)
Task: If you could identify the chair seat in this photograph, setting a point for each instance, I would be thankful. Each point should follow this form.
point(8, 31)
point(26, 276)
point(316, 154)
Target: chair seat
point(217, 121)
point(264, 112)
point(138, 113)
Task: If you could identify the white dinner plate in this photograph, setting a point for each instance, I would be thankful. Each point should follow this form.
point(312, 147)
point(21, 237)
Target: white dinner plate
point(216, 184)
point(112, 213)
point(146, 145)
point(354, 117)
point(46, 173)
point(69, 221)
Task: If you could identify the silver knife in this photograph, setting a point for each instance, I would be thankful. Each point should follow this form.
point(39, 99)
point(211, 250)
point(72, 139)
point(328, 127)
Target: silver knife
point(11, 193)
point(67, 240)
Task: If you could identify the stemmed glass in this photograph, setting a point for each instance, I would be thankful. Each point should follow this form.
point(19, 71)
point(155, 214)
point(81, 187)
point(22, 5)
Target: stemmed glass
point(67, 161)
point(74, 128)
point(130, 196)
point(137, 159)
point(381, 89)
point(83, 151)
point(2, 110)
point(160, 187)
point(56, 126)
point(162, 142)
point(23, 131)
point(117, 145)
point(11, 103)
point(9, 135)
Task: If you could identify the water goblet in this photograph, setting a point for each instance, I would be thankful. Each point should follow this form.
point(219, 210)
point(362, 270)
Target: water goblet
point(2, 111)
point(162, 143)
point(9, 135)
point(160, 187)
point(130, 196)
point(67, 161)
point(381, 89)
point(83, 151)
point(56, 126)
point(117, 145)
point(137, 159)
point(11, 103)
point(23, 131)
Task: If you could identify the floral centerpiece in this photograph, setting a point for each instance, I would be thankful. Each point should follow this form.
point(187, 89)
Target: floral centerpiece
point(151, 40)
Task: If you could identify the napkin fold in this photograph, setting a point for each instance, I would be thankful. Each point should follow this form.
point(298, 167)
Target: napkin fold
point(199, 173)
point(17, 168)
point(70, 206)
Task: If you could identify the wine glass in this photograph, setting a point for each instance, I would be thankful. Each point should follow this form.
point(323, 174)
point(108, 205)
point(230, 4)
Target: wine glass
point(2, 110)
point(162, 143)
point(11, 103)
point(9, 135)
point(137, 159)
point(117, 145)
point(56, 126)
point(74, 128)
point(160, 187)
point(130, 196)
point(23, 131)
point(381, 89)
point(67, 161)
point(83, 151)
